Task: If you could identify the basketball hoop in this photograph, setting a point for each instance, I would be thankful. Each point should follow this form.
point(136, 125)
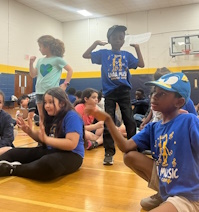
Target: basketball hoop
point(186, 51)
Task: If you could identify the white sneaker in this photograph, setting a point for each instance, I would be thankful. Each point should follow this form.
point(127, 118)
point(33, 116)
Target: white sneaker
point(15, 163)
point(14, 98)
point(7, 168)
point(151, 202)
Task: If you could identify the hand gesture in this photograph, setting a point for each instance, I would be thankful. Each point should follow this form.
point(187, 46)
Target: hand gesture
point(99, 115)
point(32, 59)
point(142, 126)
point(101, 43)
point(21, 124)
point(42, 134)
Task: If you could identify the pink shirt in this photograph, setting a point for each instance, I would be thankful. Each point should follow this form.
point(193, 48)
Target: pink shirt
point(86, 119)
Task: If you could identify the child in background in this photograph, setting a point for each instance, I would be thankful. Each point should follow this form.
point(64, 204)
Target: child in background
point(100, 100)
point(151, 116)
point(93, 129)
point(49, 68)
point(62, 137)
point(197, 109)
point(78, 96)
point(71, 95)
point(116, 83)
point(174, 143)
point(6, 128)
point(30, 104)
point(140, 106)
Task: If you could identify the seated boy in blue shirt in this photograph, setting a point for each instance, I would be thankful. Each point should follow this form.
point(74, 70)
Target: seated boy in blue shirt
point(173, 170)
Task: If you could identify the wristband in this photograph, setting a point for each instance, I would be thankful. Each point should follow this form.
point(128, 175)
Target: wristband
point(66, 83)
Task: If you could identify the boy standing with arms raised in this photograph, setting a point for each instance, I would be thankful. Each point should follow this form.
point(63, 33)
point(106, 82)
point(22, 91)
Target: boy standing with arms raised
point(116, 85)
point(174, 143)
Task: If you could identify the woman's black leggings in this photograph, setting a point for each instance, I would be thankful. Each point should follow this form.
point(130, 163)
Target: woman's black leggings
point(43, 164)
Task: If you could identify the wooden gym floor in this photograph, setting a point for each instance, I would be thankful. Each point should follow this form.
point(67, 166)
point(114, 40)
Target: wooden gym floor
point(94, 187)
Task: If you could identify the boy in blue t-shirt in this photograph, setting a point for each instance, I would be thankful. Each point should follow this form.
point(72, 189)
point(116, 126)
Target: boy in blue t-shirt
point(173, 170)
point(116, 84)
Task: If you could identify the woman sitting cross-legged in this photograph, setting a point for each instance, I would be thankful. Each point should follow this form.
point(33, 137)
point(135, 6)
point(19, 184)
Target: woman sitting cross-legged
point(93, 129)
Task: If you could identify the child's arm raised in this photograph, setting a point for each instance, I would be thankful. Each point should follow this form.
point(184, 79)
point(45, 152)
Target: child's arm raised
point(123, 144)
point(33, 71)
point(87, 53)
point(139, 55)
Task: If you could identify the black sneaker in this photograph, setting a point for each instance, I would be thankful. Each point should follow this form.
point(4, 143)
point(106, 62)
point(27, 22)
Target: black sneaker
point(108, 159)
point(36, 119)
point(6, 168)
point(151, 202)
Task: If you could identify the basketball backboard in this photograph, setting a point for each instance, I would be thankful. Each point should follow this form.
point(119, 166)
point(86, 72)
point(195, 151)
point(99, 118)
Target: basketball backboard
point(184, 45)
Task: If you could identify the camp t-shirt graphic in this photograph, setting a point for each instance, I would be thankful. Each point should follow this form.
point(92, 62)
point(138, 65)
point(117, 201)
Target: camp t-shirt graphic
point(166, 174)
point(49, 72)
point(115, 67)
point(174, 147)
point(52, 133)
point(118, 67)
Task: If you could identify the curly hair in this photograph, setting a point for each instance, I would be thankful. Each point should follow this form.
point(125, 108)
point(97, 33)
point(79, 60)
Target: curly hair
point(56, 46)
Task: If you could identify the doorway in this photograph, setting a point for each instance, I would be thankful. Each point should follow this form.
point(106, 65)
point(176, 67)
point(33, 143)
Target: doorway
point(23, 83)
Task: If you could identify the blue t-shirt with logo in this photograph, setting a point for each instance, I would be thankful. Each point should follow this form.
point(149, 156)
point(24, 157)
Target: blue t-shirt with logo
point(72, 122)
point(115, 68)
point(174, 146)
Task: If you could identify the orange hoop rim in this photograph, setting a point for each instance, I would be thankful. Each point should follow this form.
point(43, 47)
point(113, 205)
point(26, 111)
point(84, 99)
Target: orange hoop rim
point(186, 51)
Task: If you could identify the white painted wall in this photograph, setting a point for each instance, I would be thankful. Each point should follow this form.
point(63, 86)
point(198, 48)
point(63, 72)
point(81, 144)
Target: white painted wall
point(21, 26)
point(162, 23)
point(4, 32)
